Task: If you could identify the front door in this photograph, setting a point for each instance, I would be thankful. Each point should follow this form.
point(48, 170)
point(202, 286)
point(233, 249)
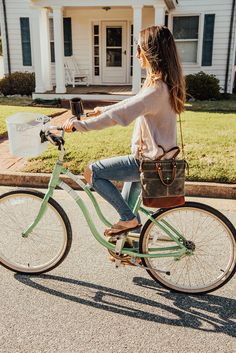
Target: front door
point(114, 52)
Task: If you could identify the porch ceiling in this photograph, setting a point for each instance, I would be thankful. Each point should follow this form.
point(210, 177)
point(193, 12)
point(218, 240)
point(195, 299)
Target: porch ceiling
point(171, 4)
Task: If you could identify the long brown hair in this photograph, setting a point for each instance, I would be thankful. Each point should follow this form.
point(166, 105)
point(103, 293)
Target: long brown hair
point(158, 46)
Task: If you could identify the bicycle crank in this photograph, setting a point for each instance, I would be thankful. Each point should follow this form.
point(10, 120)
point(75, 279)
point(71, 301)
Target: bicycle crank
point(133, 261)
point(123, 259)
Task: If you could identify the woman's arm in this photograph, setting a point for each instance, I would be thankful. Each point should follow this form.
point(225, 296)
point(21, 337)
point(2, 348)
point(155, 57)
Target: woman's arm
point(121, 114)
point(111, 106)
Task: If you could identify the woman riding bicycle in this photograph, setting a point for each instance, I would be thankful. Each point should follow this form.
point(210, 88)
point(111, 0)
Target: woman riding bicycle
point(155, 108)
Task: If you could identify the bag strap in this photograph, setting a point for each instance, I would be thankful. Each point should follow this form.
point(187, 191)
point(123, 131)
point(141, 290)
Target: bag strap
point(172, 149)
point(181, 136)
point(165, 152)
point(160, 173)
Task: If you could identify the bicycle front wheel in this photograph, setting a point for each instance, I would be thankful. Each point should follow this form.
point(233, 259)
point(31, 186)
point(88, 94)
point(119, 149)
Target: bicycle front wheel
point(210, 236)
point(46, 246)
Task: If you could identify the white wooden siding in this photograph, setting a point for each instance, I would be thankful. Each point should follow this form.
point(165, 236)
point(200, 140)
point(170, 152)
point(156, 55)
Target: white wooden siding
point(222, 11)
point(15, 10)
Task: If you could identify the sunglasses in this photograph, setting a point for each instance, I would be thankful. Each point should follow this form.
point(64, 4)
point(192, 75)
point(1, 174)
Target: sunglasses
point(138, 49)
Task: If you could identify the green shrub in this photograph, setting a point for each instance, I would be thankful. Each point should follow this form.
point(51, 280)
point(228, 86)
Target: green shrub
point(22, 83)
point(202, 86)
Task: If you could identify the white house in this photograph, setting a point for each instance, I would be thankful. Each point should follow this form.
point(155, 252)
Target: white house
point(40, 35)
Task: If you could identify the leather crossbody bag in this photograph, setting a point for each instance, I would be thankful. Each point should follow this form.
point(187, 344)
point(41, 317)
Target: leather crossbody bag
point(163, 180)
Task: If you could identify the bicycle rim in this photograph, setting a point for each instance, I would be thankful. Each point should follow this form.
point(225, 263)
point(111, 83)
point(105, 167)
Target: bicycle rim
point(48, 243)
point(212, 238)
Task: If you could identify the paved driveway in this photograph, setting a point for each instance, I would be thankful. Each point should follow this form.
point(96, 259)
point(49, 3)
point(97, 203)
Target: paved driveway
point(86, 305)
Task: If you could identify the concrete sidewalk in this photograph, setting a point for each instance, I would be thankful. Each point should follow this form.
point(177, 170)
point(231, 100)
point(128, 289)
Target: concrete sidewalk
point(11, 173)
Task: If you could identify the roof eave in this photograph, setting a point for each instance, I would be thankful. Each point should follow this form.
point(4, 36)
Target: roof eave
point(171, 4)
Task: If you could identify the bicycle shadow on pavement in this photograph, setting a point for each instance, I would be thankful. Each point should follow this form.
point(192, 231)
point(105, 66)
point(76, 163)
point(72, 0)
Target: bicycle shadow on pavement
point(218, 311)
point(208, 313)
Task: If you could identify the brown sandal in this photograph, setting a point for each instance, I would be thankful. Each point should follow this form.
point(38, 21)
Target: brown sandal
point(126, 260)
point(117, 229)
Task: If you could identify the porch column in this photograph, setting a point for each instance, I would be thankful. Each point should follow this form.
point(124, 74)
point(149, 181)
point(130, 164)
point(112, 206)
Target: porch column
point(159, 15)
point(137, 23)
point(59, 49)
point(41, 49)
point(46, 52)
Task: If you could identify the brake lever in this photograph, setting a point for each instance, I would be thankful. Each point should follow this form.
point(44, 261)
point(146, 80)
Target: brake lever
point(43, 136)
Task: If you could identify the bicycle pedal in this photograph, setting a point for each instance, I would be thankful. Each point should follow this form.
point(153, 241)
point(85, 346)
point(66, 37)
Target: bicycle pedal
point(117, 237)
point(119, 245)
point(117, 263)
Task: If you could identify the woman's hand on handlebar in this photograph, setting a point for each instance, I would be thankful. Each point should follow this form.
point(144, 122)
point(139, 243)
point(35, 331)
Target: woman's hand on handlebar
point(96, 112)
point(70, 125)
point(92, 115)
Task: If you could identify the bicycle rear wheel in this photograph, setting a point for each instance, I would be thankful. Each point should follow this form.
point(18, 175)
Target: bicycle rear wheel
point(46, 246)
point(211, 237)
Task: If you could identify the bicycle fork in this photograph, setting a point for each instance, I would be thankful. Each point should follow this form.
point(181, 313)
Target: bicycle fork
point(51, 187)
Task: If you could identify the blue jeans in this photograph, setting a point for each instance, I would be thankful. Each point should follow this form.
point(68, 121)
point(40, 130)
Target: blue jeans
point(126, 169)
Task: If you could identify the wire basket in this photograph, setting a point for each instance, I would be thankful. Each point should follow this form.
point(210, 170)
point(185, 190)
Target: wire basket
point(24, 134)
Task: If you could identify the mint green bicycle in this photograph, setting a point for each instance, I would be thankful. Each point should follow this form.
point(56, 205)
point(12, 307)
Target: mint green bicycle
point(189, 249)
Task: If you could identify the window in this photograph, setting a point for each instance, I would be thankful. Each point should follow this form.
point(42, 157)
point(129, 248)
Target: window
point(96, 60)
point(185, 31)
point(51, 35)
point(113, 46)
point(67, 38)
point(25, 41)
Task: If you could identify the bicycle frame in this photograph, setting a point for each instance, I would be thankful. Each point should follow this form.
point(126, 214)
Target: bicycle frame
point(177, 250)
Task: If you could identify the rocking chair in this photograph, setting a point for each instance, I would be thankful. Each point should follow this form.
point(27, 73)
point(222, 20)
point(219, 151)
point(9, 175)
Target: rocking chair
point(73, 74)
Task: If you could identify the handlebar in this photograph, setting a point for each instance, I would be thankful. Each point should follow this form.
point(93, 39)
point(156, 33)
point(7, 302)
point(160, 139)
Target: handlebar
point(47, 135)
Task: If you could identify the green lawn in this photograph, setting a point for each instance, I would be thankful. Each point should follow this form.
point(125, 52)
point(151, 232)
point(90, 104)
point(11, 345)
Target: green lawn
point(209, 135)
point(7, 110)
point(219, 105)
point(210, 140)
point(16, 100)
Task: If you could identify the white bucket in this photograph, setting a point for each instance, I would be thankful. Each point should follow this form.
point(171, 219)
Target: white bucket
point(24, 134)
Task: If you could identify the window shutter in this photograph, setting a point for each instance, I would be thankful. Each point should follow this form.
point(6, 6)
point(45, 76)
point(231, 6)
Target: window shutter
point(67, 36)
point(207, 45)
point(25, 41)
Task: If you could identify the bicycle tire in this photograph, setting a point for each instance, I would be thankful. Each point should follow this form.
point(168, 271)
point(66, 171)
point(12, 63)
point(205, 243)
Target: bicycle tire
point(208, 211)
point(17, 196)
